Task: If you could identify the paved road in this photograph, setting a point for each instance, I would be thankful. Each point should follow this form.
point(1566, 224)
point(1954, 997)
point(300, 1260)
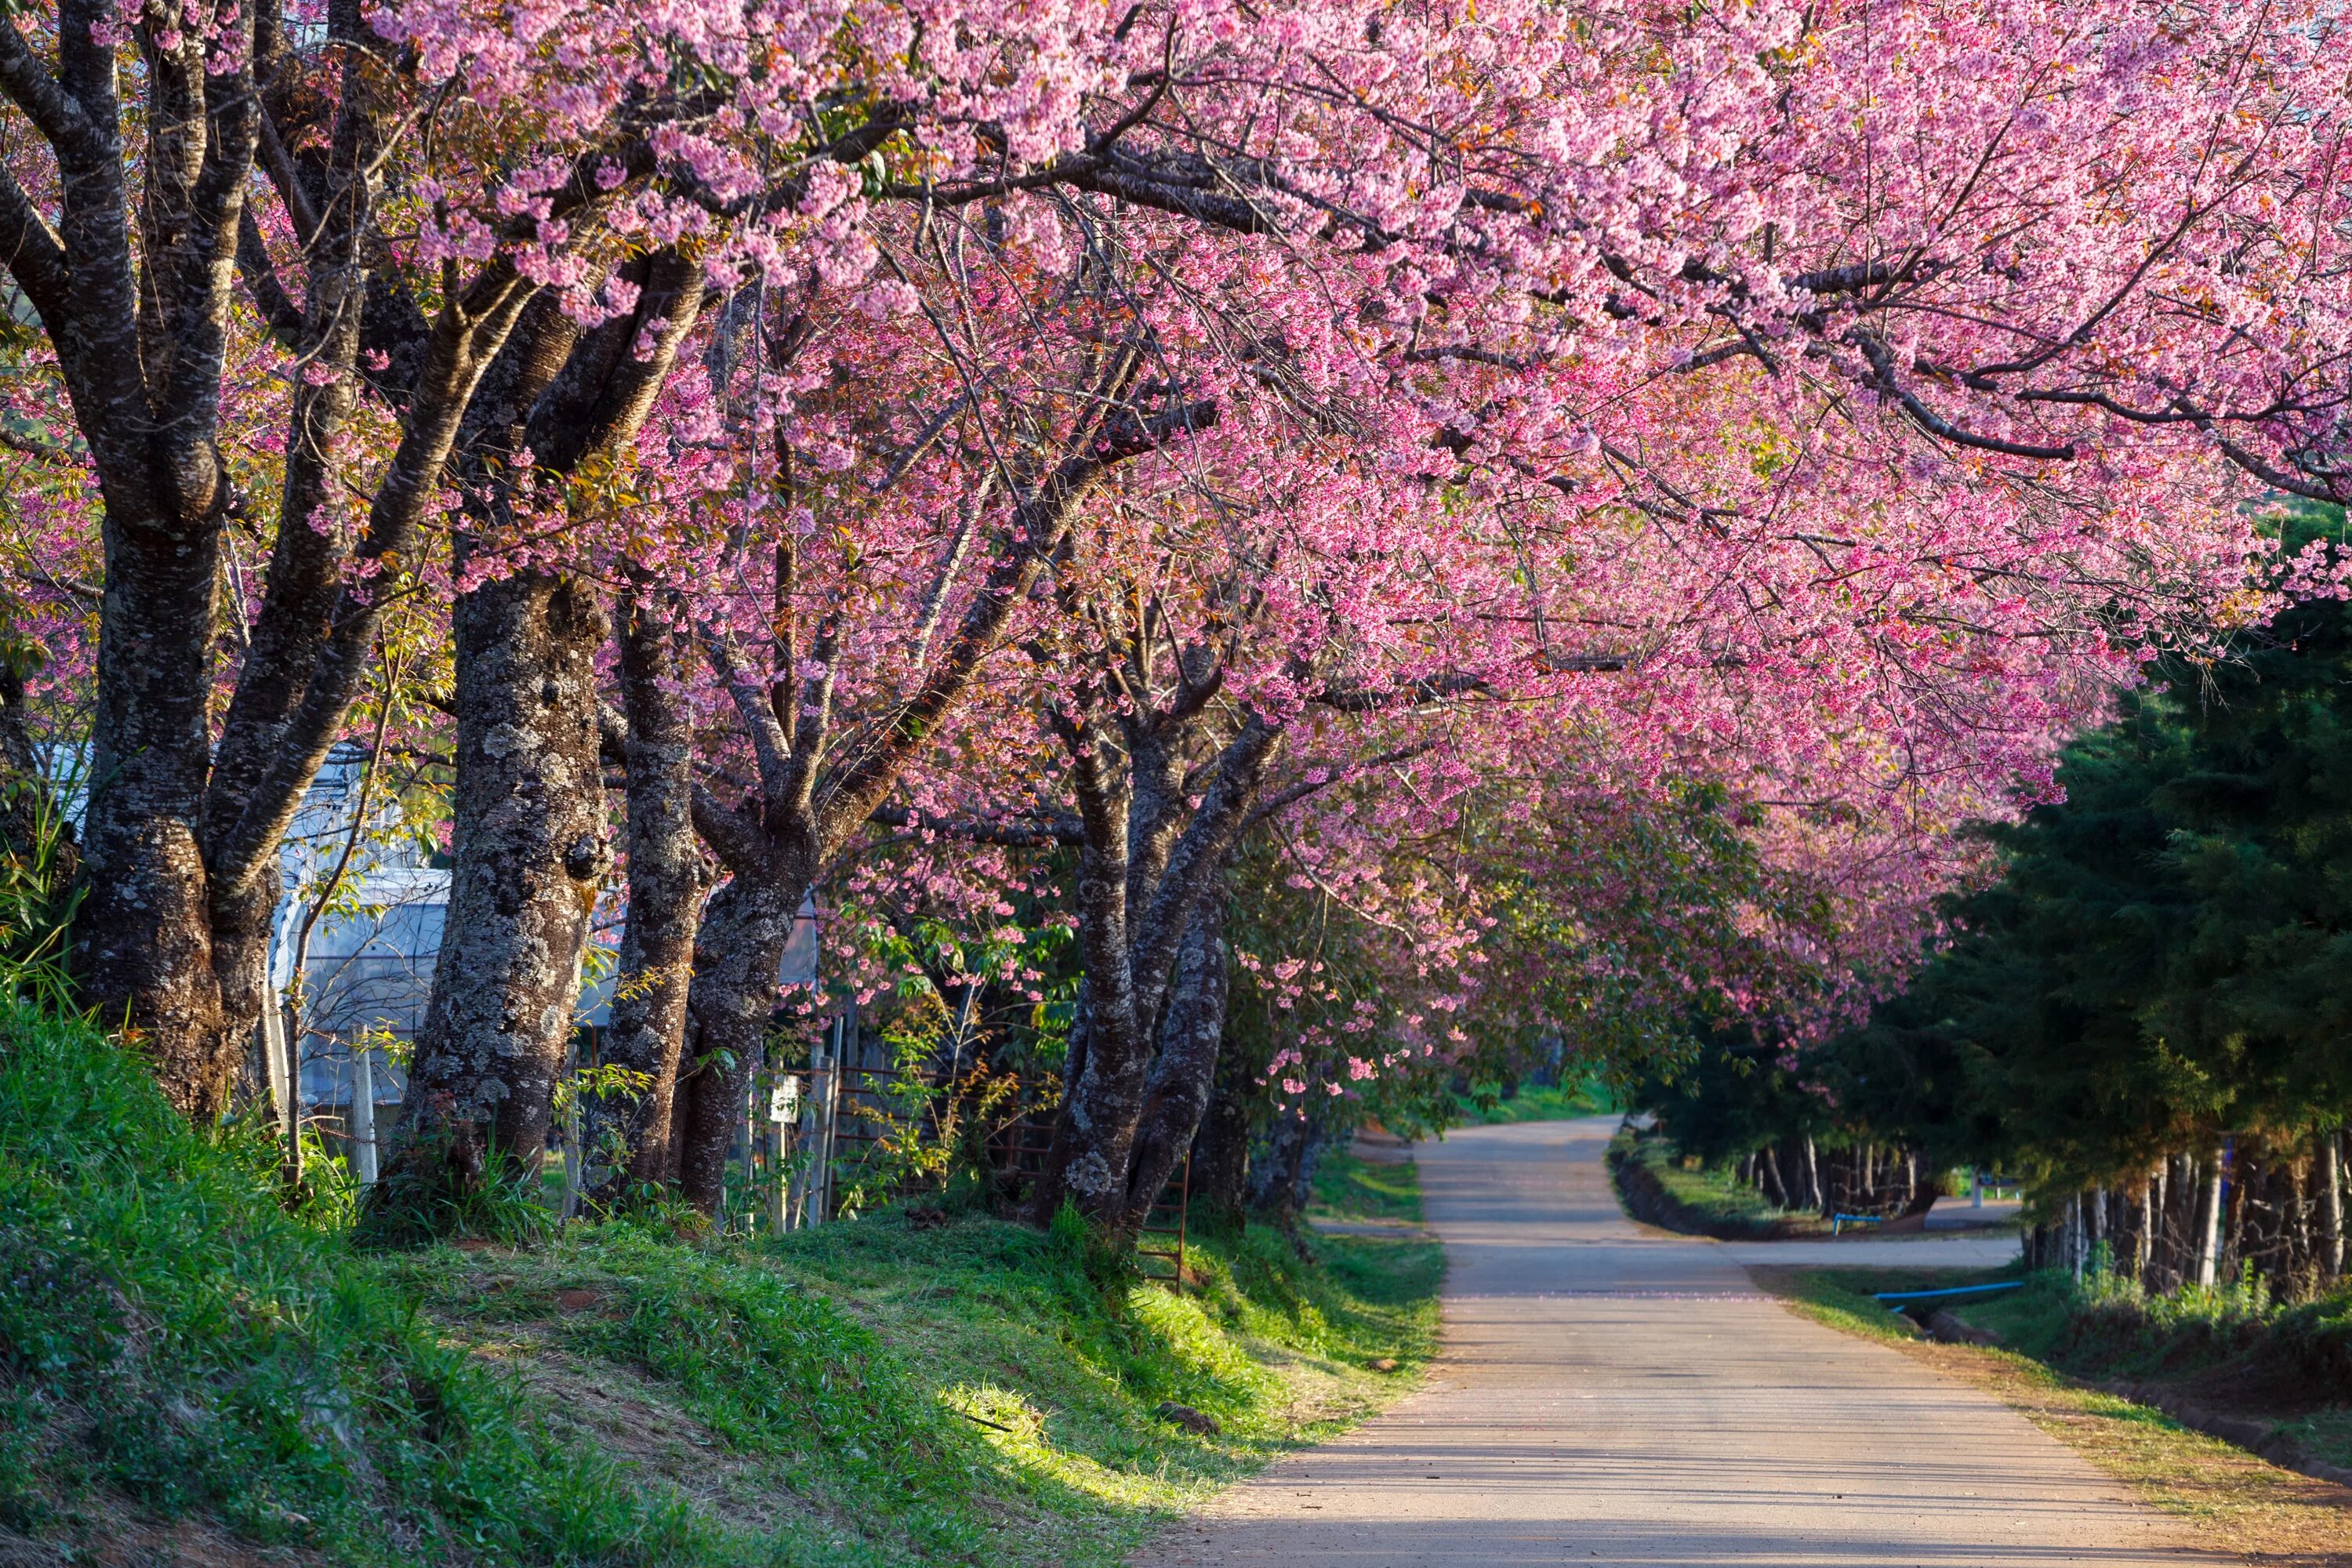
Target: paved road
point(1614, 1397)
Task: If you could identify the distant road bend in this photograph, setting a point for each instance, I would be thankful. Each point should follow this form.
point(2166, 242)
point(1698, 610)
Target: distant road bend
point(1612, 1395)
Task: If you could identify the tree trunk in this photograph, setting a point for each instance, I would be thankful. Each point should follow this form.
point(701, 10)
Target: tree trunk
point(649, 997)
point(1178, 1088)
point(1096, 1130)
point(2331, 1204)
point(1220, 1150)
point(1776, 1191)
point(2206, 1232)
point(2300, 1267)
point(529, 842)
point(1787, 1173)
point(144, 932)
point(2238, 1172)
point(730, 1001)
point(1129, 953)
point(1281, 1185)
point(529, 836)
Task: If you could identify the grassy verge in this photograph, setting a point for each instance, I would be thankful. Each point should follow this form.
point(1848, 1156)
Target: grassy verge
point(2236, 1504)
point(1351, 1188)
point(186, 1369)
point(1659, 1188)
point(1483, 1106)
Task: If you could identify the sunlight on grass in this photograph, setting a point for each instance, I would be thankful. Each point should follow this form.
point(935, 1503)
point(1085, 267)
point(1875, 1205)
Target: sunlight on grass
point(861, 1396)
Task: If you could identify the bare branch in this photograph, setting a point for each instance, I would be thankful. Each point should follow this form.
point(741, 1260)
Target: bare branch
point(1881, 361)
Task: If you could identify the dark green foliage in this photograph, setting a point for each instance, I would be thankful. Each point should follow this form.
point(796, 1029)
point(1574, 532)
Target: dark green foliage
point(2165, 961)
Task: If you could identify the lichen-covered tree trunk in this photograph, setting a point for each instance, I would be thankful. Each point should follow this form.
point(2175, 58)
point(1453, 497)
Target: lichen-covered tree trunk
point(1177, 1092)
point(1131, 957)
point(145, 942)
point(666, 885)
point(528, 840)
point(1088, 1160)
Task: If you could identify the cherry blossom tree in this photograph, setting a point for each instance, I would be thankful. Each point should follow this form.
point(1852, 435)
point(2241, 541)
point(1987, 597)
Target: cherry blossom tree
point(1910, 356)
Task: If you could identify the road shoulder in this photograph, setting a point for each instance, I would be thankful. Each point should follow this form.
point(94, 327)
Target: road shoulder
point(2231, 1501)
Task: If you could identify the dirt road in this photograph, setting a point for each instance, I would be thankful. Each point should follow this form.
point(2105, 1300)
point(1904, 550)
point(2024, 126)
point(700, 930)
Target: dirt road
point(1609, 1395)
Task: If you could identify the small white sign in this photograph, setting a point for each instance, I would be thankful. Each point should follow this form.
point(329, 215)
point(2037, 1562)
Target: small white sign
point(784, 1100)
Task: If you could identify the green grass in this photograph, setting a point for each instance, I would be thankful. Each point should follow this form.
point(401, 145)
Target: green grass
point(1483, 1106)
point(2325, 1435)
point(1349, 1188)
point(1840, 1297)
point(175, 1347)
point(172, 1342)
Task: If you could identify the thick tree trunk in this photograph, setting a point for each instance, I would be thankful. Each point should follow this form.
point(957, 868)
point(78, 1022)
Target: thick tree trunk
point(732, 997)
point(1275, 1183)
point(1178, 1088)
point(1096, 1131)
point(649, 997)
point(529, 819)
point(1129, 955)
point(144, 932)
point(529, 842)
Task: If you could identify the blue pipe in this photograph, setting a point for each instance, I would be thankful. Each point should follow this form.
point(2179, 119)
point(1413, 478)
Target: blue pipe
point(1955, 1290)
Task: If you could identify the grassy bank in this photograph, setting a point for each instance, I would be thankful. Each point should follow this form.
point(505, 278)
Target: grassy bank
point(2288, 1367)
point(1658, 1186)
point(185, 1367)
point(2241, 1505)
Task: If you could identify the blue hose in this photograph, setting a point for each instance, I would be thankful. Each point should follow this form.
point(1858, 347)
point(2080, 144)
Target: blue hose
point(1955, 1290)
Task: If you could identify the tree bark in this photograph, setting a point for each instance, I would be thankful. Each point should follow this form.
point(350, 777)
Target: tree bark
point(1095, 1129)
point(1177, 1091)
point(2331, 1204)
point(1282, 1185)
point(141, 346)
point(2206, 1232)
point(1220, 1150)
point(528, 836)
point(666, 882)
point(2239, 1172)
point(1768, 1165)
point(731, 999)
point(1129, 955)
point(144, 929)
point(529, 843)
